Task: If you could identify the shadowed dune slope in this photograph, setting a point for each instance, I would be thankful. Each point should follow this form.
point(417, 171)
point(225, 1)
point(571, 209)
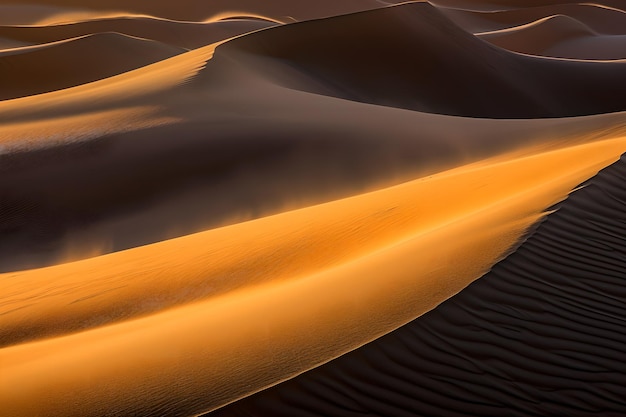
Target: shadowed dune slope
point(601, 19)
point(541, 334)
point(103, 184)
point(211, 168)
point(418, 59)
point(39, 69)
point(181, 34)
point(559, 36)
point(491, 5)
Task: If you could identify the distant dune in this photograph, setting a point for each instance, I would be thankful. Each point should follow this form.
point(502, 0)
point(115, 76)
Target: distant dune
point(422, 49)
point(194, 10)
point(40, 69)
point(181, 34)
point(601, 19)
point(559, 36)
point(298, 208)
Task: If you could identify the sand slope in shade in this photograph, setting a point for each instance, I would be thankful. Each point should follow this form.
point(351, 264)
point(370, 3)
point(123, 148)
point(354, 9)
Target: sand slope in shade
point(503, 5)
point(44, 68)
point(561, 37)
point(422, 49)
point(540, 334)
point(233, 130)
point(602, 19)
point(398, 224)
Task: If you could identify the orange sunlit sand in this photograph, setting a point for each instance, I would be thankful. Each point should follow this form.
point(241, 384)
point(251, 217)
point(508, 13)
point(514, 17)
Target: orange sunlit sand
point(203, 200)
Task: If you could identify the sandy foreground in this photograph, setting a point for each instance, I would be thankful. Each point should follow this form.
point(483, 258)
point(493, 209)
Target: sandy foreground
point(202, 200)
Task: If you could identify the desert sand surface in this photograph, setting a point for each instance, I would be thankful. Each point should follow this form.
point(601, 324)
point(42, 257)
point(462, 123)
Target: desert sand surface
point(305, 208)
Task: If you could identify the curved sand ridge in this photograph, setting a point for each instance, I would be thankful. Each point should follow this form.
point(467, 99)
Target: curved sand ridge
point(116, 92)
point(44, 68)
point(61, 11)
point(393, 227)
point(559, 36)
point(233, 131)
point(71, 184)
point(540, 334)
point(423, 49)
point(601, 19)
point(503, 5)
point(188, 35)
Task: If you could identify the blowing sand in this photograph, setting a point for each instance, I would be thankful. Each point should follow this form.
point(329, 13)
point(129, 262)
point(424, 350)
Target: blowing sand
point(199, 201)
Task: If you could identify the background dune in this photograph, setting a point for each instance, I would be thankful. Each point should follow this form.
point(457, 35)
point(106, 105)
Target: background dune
point(187, 35)
point(559, 36)
point(312, 208)
point(422, 48)
point(601, 19)
point(39, 69)
point(490, 5)
point(190, 10)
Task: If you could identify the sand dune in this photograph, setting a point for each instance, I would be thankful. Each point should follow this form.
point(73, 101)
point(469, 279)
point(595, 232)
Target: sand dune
point(540, 334)
point(181, 34)
point(330, 208)
point(92, 200)
point(601, 19)
point(55, 11)
point(499, 5)
point(561, 37)
point(98, 204)
point(39, 69)
point(494, 215)
point(422, 48)
point(31, 14)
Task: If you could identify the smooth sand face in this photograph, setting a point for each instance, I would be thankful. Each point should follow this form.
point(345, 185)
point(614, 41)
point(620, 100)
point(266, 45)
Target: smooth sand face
point(371, 202)
point(331, 285)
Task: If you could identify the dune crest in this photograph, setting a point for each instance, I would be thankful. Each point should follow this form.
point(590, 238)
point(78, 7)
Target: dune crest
point(494, 216)
point(51, 65)
point(559, 36)
point(423, 57)
point(187, 35)
point(503, 343)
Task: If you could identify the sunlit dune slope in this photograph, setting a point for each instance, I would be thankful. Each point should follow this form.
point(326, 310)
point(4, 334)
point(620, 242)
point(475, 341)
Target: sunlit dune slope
point(43, 68)
point(413, 62)
point(108, 180)
point(289, 291)
point(559, 36)
point(181, 34)
point(151, 86)
point(540, 334)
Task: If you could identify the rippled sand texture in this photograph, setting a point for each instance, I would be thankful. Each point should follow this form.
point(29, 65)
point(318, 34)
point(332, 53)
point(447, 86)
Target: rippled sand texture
point(298, 208)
